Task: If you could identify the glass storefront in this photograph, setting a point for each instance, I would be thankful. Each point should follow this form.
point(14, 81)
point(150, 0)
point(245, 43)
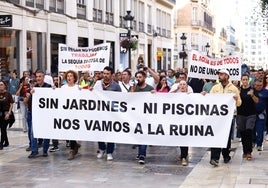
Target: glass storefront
point(36, 51)
point(9, 51)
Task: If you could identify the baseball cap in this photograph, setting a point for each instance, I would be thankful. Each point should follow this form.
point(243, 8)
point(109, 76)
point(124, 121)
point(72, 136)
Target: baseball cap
point(224, 71)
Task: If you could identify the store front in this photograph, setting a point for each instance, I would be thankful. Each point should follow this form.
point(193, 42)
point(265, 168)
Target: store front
point(9, 51)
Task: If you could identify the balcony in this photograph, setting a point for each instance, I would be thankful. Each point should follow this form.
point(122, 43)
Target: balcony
point(204, 25)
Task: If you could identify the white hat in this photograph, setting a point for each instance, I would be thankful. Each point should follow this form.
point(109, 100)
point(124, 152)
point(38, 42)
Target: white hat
point(224, 71)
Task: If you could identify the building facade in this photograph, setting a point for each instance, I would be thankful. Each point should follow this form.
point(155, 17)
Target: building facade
point(197, 19)
point(254, 35)
point(31, 41)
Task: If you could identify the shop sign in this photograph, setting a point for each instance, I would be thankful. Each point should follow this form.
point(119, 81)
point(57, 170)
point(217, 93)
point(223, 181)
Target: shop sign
point(5, 20)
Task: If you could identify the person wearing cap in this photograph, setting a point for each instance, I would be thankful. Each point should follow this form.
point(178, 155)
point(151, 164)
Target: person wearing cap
point(224, 86)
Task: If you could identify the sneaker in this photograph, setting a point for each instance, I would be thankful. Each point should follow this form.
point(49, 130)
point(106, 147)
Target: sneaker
point(184, 162)
point(137, 157)
point(28, 149)
point(33, 155)
point(45, 154)
point(253, 145)
point(266, 137)
point(71, 155)
point(142, 160)
point(68, 144)
point(54, 149)
point(109, 157)
point(214, 162)
point(77, 146)
point(259, 148)
point(226, 159)
point(6, 144)
point(244, 156)
point(249, 157)
point(100, 154)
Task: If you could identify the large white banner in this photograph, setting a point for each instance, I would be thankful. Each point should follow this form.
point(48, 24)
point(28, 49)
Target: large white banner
point(84, 58)
point(167, 119)
point(202, 66)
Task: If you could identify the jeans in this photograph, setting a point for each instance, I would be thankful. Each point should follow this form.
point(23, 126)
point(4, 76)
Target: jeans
point(109, 148)
point(142, 150)
point(33, 140)
point(29, 122)
point(259, 126)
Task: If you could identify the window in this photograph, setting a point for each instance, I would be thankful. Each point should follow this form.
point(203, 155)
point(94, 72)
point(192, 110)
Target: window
point(82, 42)
point(81, 9)
point(55, 40)
point(109, 12)
point(56, 6)
point(35, 3)
point(168, 25)
point(97, 11)
point(158, 22)
point(195, 14)
point(15, 1)
point(140, 16)
point(9, 50)
point(149, 19)
point(36, 51)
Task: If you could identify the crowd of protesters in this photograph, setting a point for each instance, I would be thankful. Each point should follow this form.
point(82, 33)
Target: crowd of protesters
point(249, 122)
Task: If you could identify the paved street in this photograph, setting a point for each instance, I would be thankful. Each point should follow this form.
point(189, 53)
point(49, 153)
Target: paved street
point(161, 169)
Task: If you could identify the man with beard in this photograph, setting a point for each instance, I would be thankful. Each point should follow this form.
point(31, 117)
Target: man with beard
point(141, 87)
point(106, 84)
point(224, 86)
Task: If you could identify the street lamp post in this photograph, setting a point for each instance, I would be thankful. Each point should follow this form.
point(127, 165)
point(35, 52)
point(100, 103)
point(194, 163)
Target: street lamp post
point(128, 18)
point(207, 48)
point(183, 54)
point(221, 52)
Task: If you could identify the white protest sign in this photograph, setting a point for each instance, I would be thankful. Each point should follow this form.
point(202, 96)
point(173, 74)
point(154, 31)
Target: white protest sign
point(84, 58)
point(201, 66)
point(167, 119)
